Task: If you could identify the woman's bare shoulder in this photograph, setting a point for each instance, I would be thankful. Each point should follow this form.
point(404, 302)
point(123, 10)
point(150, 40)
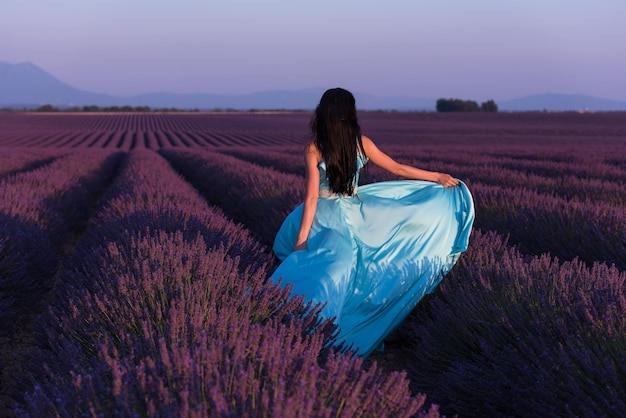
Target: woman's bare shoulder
point(311, 151)
point(368, 144)
point(311, 148)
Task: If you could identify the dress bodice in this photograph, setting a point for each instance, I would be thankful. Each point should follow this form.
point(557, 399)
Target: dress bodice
point(325, 187)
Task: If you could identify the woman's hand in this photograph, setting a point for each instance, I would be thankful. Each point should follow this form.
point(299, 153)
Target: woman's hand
point(446, 180)
point(300, 246)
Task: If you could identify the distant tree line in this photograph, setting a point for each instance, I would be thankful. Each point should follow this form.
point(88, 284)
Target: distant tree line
point(146, 109)
point(458, 105)
point(93, 108)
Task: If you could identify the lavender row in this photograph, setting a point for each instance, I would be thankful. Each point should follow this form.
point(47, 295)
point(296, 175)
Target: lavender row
point(603, 166)
point(510, 335)
point(290, 160)
point(41, 213)
point(152, 196)
point(185, 333)
point(256, 196)
point(537, 223)
point(285, 159)
point(584, 178)
point(565, 187)
point(54, 196)
point(17, 160)
point(41, 210)
point(151, 319)
point(146, 196)
point(547, 161)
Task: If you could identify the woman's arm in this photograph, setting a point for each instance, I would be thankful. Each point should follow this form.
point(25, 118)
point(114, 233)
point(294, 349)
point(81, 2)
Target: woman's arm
point(386, 162)
point(312, 158)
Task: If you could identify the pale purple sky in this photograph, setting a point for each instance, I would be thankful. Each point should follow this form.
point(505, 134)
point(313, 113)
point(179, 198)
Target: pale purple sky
point(479, 49)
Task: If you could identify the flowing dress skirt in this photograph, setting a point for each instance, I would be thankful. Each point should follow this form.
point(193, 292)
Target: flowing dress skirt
point(371, 257)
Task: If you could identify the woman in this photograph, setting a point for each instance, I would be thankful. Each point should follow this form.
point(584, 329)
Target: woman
point(370, 252)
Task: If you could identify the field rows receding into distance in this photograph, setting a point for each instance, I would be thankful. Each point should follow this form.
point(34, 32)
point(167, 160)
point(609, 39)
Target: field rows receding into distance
point(135, 252)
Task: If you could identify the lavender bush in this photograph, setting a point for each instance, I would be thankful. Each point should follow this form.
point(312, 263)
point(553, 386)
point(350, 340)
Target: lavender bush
point(149, 194)
point(540, 223)
point(583, 178)
point(512, 335)
point(284, 159)
point(40, 211)
point(55, 196)
point(258, 197)
point(14, 160)
point(190, 335)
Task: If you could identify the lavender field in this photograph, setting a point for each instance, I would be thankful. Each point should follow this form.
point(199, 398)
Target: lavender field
point(135, 257)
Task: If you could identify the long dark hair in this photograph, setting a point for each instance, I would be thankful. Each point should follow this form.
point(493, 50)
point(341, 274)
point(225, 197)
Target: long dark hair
point(337, 135)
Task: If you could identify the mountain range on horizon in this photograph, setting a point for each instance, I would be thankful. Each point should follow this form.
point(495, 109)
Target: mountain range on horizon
point(26, 85)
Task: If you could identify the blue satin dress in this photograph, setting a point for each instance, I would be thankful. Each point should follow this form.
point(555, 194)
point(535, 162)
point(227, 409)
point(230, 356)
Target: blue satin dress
point(372, 256)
